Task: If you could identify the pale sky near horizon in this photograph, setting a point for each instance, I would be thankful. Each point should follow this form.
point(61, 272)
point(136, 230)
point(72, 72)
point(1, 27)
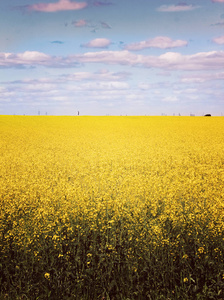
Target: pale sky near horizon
point(112, 57)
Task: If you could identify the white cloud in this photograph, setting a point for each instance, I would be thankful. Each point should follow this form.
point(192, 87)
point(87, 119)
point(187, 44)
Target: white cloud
point(199, 61)
point(161, 42)
point(33, 56)
point(104, 86)
point(98, 43)
point(212, 60)
point(169, 61)
point(109, 57)
point(25, 58)
point(90, 92)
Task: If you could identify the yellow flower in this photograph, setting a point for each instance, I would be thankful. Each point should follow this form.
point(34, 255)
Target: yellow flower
point(47, 276)
point(185, 279)
point(201, 250)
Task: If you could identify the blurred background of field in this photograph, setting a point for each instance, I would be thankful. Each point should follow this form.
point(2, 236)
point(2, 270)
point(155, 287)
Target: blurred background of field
point(113, 207)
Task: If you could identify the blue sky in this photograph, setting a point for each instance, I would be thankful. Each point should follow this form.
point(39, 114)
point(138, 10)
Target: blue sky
point(112, 57)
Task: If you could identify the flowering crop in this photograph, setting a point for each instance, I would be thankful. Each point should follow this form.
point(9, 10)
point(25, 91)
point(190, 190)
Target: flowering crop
point(115, 207)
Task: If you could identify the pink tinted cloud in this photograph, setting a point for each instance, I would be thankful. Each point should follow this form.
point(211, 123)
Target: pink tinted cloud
point(109, 57)
point(31, 58)
point(80, 23)
point(169, 61)
point(219, 40)
point(98, 43)
point(219, 1)
point(198, 61)
point(176, 8)
point(213, 60)
point(161, 42)
point(61, 5)
point(25, 58)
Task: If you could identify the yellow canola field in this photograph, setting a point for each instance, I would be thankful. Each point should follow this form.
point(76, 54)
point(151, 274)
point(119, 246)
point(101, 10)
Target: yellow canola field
point(61, 166)
point(145, 176)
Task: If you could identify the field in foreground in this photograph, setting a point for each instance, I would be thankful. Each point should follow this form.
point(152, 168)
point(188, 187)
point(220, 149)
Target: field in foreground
point(111, 208)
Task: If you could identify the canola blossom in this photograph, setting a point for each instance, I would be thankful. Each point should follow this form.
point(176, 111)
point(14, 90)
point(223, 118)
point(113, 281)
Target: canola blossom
point(111, 207)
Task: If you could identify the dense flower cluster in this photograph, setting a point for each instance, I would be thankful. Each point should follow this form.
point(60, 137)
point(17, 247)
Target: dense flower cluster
point(99, 194)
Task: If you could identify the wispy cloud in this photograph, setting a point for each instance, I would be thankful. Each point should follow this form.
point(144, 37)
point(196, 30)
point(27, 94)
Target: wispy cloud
point(94, 26)
point(101, 75)
point(57, 42)
point(161, 42)
point(80, 23)
point(97, 43)
point(218, 24)
point(177, 8)
point(219, 1)
point(219, 40)
point(61, 5)
point(101, 3)
point(105, 25)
